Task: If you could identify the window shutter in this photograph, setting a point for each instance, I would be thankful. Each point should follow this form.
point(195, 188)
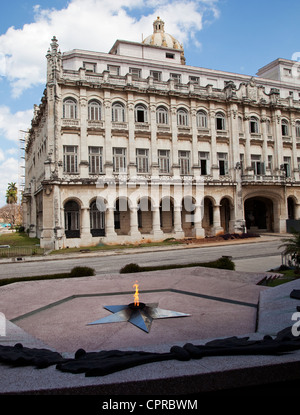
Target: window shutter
point(226, 167)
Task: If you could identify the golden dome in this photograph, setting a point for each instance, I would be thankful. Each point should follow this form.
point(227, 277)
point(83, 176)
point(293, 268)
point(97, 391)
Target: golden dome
point(161, 38)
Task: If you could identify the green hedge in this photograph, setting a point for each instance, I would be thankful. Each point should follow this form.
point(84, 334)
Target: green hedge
point(221, 263)
point(74, 273)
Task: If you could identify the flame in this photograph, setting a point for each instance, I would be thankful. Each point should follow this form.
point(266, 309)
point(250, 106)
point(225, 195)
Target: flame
point(136, 295)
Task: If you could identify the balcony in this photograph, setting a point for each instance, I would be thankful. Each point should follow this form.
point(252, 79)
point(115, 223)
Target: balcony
point(249, 178)
point(142, 126)
point(70, 123)
point(184, 130)
point(119, 126)
point(163, 128)
point(95, 124)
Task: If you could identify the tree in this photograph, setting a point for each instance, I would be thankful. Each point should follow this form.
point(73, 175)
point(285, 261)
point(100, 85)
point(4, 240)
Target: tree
point(292, 248)
point(11, 214)
point(13, 211)
point(11, 194)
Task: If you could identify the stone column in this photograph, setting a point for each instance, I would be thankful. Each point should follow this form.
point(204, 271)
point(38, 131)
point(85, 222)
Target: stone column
point(217, 220)
point(234, 143)
point(213, 144)
point(153, 129)
point(174, 150)
point(199, 232)
point(194, 158)
point(278, 159)
point(131, 156)
point(85, 225)
point(83, 154)
point(33, 224)
point(177, 222)
point(297, 211)
point(110, 232)
point(238, 223)
point(156, 230)
point(248, 165)
point(134, 229)
point(107, 151)
point(264, 134)
point(295, 171)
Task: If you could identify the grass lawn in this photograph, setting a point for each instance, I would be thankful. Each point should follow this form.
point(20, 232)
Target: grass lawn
point(18, 239)
point(103, 247)
point(287, 276)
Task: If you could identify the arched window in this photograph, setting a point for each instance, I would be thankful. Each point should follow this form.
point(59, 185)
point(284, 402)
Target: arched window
point(297, 125)
point(118, 112)
point(162, 115)
point(70, 108)
point(97, 219)
point(140, 113)
point(182, 117)
point(94, 110)
point(285, 128)
point(72, 219)
point(254, 126)
point(220, 121)
point(201, 118)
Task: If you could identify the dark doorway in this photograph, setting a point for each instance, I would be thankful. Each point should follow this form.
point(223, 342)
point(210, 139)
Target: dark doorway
point(97, 220)
point(259, 214)
point(225, 214)
point(72, 219)
point(291, 208)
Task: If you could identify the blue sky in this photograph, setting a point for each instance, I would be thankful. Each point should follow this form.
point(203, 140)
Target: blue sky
point(231, 35)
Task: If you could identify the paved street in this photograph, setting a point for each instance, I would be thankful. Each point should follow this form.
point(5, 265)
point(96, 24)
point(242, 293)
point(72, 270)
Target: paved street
point(256, 257)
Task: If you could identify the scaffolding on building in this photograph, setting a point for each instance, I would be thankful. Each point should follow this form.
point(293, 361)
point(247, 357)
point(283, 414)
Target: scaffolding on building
point(21, 164)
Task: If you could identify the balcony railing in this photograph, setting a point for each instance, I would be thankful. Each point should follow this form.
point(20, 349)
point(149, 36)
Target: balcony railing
point(95, 124)
point(119, 125)
point(263, 178)
point(142, 126)
point(70, 123)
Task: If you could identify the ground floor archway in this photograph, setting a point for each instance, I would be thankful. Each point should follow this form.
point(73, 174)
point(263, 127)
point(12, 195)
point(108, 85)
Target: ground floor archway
point(72, 219)
point(259, 214)
point(291, 208)
point(225, 212)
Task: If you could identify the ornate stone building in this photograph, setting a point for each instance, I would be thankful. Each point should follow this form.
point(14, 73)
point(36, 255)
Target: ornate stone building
point(134, 144)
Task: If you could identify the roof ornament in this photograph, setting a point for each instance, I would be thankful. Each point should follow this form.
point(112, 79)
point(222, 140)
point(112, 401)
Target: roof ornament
point(54, 59)
point(158, 25)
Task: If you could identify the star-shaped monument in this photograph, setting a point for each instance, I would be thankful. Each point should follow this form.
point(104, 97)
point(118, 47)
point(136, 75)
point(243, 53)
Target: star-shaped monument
point(140, 315)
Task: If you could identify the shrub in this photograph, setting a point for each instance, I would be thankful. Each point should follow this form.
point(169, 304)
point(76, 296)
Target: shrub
point(127, 269)
point(82, 272)
point(283, 268)
point(226, 236)
point(222, 263)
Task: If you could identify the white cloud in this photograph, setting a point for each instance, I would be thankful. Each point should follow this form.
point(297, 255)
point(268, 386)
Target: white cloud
point(11, 151)
point(93, 25)
point(11, 124)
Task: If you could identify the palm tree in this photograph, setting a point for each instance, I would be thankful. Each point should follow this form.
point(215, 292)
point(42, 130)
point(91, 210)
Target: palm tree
point(11, 193)
point(292, 248)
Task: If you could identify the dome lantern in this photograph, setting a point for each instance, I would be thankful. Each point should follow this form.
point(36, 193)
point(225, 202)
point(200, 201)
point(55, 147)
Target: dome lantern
point(158, 26)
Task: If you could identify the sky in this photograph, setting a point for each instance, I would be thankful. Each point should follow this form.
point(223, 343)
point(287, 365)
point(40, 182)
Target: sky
point(238, 36)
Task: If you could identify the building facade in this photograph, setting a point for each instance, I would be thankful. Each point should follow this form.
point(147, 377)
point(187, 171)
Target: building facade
point(136, 145)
